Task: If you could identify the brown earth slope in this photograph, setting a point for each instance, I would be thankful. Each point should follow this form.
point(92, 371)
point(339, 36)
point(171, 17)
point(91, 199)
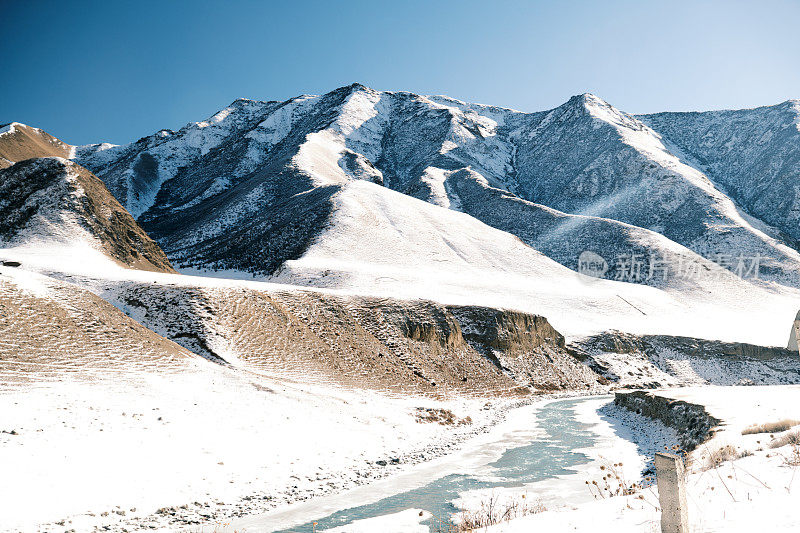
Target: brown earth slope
point(378, 343)
point(22, 142)
point(51, 329)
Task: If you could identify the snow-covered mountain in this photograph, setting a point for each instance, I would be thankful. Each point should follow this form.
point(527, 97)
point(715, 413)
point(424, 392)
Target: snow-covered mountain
point(752, 154)
point(254, 185)
point(398, 195)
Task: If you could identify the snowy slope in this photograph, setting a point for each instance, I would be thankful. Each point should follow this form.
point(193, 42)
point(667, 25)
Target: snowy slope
point(136, 172)
point(586, 157)
point(385, 193)
point(403, 247)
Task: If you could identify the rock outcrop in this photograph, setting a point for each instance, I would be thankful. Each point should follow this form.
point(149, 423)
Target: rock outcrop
point(691, 421)
point(652, 361)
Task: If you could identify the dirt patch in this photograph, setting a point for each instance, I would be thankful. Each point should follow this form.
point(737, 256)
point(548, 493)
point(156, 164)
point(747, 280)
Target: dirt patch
point(443, 417)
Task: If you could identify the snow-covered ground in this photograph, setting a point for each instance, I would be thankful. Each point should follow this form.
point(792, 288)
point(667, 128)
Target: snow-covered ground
point(206, 445)
point(465, 268)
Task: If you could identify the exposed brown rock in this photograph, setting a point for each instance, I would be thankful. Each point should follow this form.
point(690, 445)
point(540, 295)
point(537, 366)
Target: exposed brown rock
point(408, 346)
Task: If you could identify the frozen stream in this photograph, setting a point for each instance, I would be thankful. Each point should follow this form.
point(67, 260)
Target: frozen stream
point(549, 454)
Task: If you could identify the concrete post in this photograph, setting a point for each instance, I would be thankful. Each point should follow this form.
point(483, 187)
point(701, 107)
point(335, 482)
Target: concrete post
point(672, 493)
point(794, 335)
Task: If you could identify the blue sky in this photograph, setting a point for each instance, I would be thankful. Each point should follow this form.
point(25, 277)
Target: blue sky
point(116, 71)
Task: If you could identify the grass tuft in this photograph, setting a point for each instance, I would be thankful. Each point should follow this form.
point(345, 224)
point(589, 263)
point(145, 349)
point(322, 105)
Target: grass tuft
point(792, 438)
point(493, 510)
point(771, 427)
point(721, 455)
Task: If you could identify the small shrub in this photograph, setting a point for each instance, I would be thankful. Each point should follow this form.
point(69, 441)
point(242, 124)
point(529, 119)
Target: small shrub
point(771, 427)
point(744, 453)
point(721, 455)
point(612, 483)
point(794, 457)
point(492, 511)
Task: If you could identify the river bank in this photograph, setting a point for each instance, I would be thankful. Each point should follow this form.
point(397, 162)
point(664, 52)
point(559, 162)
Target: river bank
point(544, 450)
point(197, 449)
point(743, 479)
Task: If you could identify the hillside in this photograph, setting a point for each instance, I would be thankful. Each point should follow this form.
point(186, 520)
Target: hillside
point(53, 330)
point(19, 142)
point(751, 153)
point(51, 204)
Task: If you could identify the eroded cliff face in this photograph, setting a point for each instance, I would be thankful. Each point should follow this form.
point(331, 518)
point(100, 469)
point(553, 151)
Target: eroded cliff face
point(523, 345)
point(651, 361)
point(691, 421)
point(408, 346)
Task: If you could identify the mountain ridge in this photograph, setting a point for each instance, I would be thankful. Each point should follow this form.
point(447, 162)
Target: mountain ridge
point(19, 142)
point(583, 159)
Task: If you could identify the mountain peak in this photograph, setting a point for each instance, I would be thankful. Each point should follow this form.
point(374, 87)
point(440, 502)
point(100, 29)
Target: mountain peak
point(10, 127)
point(354, 87)
point(794, 108)
point(588, 100)
point(584, 101)
point(19, 142)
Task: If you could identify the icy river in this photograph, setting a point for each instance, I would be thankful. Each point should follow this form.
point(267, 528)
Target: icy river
point(546, 447)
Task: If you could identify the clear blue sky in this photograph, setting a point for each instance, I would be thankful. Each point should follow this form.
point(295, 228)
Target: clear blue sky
point(116, 71)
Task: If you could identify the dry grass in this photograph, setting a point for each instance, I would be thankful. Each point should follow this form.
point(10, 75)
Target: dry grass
point(612, 483)
point(771, 427)
point(444, 417)
point(794, 456)
point(792, 438)
point(744, 453)
point(493, 510)
point(721, 455)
